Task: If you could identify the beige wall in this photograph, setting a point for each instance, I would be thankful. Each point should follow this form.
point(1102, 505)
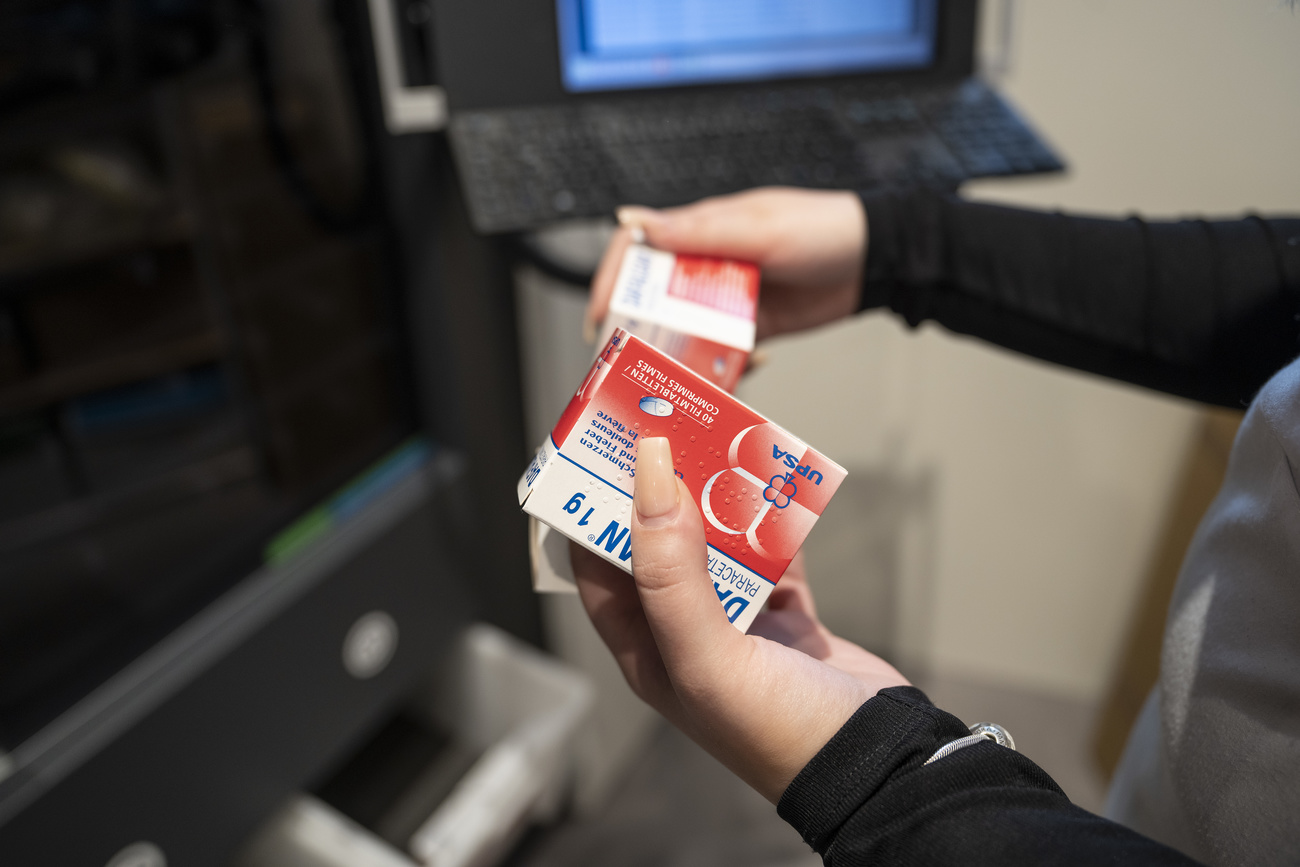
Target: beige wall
point(1048, 487)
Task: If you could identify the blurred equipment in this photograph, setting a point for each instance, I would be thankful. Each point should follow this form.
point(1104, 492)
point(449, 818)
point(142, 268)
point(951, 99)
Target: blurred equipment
point(310, 833)
point(578, 106)
point(251, 355)
point(521, 712)
point(454, 779)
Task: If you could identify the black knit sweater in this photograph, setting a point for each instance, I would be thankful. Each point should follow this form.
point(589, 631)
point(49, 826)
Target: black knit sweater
point(1204, 310)
point(1199, 309)
point(869, 798)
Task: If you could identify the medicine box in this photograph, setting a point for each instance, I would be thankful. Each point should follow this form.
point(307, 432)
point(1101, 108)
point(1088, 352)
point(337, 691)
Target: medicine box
point(759, 488)
point(699, 310)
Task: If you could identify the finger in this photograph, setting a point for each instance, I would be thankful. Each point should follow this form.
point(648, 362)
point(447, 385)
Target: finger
point(731, 227)
point(757, 359)
point(609, 596)
point(602, 284)
point(670, 565)
point(792, 592)
point(795, 630)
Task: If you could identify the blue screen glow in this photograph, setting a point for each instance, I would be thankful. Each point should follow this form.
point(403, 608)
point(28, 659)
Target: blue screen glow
point(621, 44)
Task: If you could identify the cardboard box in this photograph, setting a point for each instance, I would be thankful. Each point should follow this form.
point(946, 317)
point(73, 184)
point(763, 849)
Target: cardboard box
point(700, 311)
point(759, 488)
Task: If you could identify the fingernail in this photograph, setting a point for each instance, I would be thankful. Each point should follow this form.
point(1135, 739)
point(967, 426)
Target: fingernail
point(656, 485)
point(588, 330)
point(637, 216)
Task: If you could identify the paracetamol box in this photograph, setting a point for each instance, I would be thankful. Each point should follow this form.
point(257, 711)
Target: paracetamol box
point(698, 310)
point(759, 488)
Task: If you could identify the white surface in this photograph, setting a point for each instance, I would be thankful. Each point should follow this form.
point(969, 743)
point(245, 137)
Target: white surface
point(406, 109)
point(504, 688)
point(142, 854)
point(1050, 487)
point(525, 711)
point(370, 644)
point(309, 833)
point(489, 805)
point(521, 708)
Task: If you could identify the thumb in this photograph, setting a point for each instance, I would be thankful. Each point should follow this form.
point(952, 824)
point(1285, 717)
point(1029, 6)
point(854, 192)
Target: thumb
point(730, 227)
point(637, 225)
point(648, 225)
point(688, 229)
point(670, 565)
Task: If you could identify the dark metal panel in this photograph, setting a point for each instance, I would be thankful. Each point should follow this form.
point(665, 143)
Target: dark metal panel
point(461, 325)
point(493, 53)
point(267, 717)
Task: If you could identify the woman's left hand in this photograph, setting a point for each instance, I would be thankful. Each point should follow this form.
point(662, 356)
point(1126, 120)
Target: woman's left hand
point(763, 703)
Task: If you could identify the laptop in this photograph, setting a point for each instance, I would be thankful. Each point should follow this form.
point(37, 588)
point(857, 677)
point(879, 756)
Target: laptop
point(570, 108)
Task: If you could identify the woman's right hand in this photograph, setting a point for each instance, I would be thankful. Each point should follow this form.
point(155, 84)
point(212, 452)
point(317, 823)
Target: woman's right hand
point(810, 245)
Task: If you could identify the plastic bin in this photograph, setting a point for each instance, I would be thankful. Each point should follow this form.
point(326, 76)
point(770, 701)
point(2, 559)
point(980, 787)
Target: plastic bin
point(519, 710)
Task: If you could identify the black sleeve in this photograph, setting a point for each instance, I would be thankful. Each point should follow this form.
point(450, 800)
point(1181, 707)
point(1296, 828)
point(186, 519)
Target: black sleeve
point(1205, 310)
point(869, 798)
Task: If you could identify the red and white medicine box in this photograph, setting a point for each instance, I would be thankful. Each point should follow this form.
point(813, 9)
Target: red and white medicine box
point(698, 310)
point(759, 488)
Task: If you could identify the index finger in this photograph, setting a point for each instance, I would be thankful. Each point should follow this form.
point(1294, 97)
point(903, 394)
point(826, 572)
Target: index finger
point(792, 592)
point(611, 601)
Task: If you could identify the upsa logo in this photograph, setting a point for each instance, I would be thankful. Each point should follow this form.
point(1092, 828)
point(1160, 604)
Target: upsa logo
point(780, 490)
point(778, 493)
point(764, 502)
point(802, 469)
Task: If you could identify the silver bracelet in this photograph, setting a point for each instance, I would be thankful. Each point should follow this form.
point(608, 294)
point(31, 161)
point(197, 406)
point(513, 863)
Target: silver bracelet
point(982, 731)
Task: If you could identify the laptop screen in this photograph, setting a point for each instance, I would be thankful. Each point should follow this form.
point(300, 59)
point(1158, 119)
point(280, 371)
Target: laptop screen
point(631, 44)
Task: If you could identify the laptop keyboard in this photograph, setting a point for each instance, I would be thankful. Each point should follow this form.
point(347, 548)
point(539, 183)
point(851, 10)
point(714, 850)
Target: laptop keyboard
point(525, 167)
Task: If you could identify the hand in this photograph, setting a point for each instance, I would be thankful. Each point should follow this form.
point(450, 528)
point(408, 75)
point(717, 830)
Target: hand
point(762, 703)
point(810, 245)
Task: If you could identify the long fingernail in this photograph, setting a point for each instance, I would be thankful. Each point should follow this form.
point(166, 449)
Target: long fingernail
point(656, 484)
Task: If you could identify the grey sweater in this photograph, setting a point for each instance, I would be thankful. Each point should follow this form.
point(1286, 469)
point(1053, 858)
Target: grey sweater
point(1213, 765)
